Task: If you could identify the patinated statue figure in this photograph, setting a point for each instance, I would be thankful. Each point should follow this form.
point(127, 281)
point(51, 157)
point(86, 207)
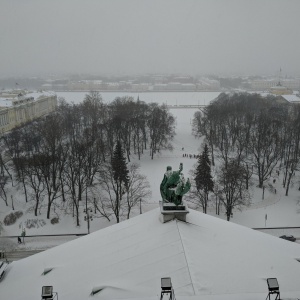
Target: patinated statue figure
point(174, 186)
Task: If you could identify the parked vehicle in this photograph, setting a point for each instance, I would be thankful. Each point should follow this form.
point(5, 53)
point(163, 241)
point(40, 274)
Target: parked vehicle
point(288, 238)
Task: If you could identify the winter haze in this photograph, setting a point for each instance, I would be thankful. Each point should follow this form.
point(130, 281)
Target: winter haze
point(143, 36)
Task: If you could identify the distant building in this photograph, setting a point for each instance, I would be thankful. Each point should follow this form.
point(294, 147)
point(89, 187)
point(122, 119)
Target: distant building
point(174, 86)
point(85, 85)
point(160, 87)
point(279, 89)
point(188, 87)
point(137, 87)
point(262, 85)
point(205, 84)
point(18, 107)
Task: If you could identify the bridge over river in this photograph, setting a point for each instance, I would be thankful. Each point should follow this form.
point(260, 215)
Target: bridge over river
point(186, 106)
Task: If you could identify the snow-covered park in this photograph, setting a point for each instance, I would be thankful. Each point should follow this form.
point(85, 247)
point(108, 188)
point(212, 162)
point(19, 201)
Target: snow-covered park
point(275, 210)
point(206, 257)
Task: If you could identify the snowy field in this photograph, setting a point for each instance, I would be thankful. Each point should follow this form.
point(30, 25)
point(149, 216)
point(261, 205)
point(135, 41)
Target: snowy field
point(280, 211)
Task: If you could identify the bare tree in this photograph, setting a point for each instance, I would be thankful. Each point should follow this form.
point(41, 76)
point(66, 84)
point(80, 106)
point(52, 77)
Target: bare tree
point(13, 152)
point(218, 194)
point(139, 127)
point(264, 145)
point(292, 147)
point(34, 180)
point(203, 125)
point(122, 122)
point(138, 188)
point(232, 185)
point(112, 192)
point(196, 196)
point(3, 182)
point(76, 177)
point(161, 128)
point(50, 157)
point(101, 206)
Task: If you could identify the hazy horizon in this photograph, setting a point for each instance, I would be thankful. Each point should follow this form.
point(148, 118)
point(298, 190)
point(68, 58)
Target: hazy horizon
point(195, 37)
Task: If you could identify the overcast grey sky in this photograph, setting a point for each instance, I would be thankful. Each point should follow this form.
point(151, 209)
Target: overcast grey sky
point(149, 36)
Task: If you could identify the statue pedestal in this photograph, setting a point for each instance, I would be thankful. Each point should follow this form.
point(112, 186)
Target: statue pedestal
point(170, 211)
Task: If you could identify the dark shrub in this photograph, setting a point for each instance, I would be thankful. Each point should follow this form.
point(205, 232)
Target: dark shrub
point(12, 218)
point(34, 223)
point(54, 220)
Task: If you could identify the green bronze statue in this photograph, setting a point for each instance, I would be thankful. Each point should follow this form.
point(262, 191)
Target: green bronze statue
point(174, 186)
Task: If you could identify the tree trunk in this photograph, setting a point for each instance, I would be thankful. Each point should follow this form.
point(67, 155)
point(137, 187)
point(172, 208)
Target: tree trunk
point(228, 217)
point(48, 210)
point(219, 208)
point(12, 202)
point(36, 204)
point(77, 216)
point(288, 183)
point(285, 175)
point(25, 191)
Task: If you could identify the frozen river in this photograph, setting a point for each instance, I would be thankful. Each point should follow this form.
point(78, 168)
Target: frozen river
point(169, 98)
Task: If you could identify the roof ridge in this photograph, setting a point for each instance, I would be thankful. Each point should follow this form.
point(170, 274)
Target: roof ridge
point(187, 263)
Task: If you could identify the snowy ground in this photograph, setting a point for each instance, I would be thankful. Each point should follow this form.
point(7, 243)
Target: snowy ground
point(281, 211)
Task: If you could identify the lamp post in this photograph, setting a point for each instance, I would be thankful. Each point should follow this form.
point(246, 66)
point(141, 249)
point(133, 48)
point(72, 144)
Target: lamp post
point(273, 287)
point(167, 288)
point(47, 293)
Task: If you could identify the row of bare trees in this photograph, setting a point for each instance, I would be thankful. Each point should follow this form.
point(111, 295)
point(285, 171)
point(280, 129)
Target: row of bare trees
point(65, 158)
point(250, 134)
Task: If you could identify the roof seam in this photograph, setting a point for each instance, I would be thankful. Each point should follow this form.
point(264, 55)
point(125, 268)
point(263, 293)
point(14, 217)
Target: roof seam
point(187, 264)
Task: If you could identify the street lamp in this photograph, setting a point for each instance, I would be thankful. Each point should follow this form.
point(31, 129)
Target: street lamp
point(47, 292)
point(167, 288)
point(273, 287)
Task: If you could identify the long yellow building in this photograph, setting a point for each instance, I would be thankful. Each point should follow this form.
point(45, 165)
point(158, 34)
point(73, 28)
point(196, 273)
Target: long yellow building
point(19, 107)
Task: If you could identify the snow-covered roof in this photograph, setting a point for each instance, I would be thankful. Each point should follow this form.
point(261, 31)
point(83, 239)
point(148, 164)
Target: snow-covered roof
point(9, 100)
point(291, 98)
point(37, 95)
point(205, 257)
point(5, 102)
